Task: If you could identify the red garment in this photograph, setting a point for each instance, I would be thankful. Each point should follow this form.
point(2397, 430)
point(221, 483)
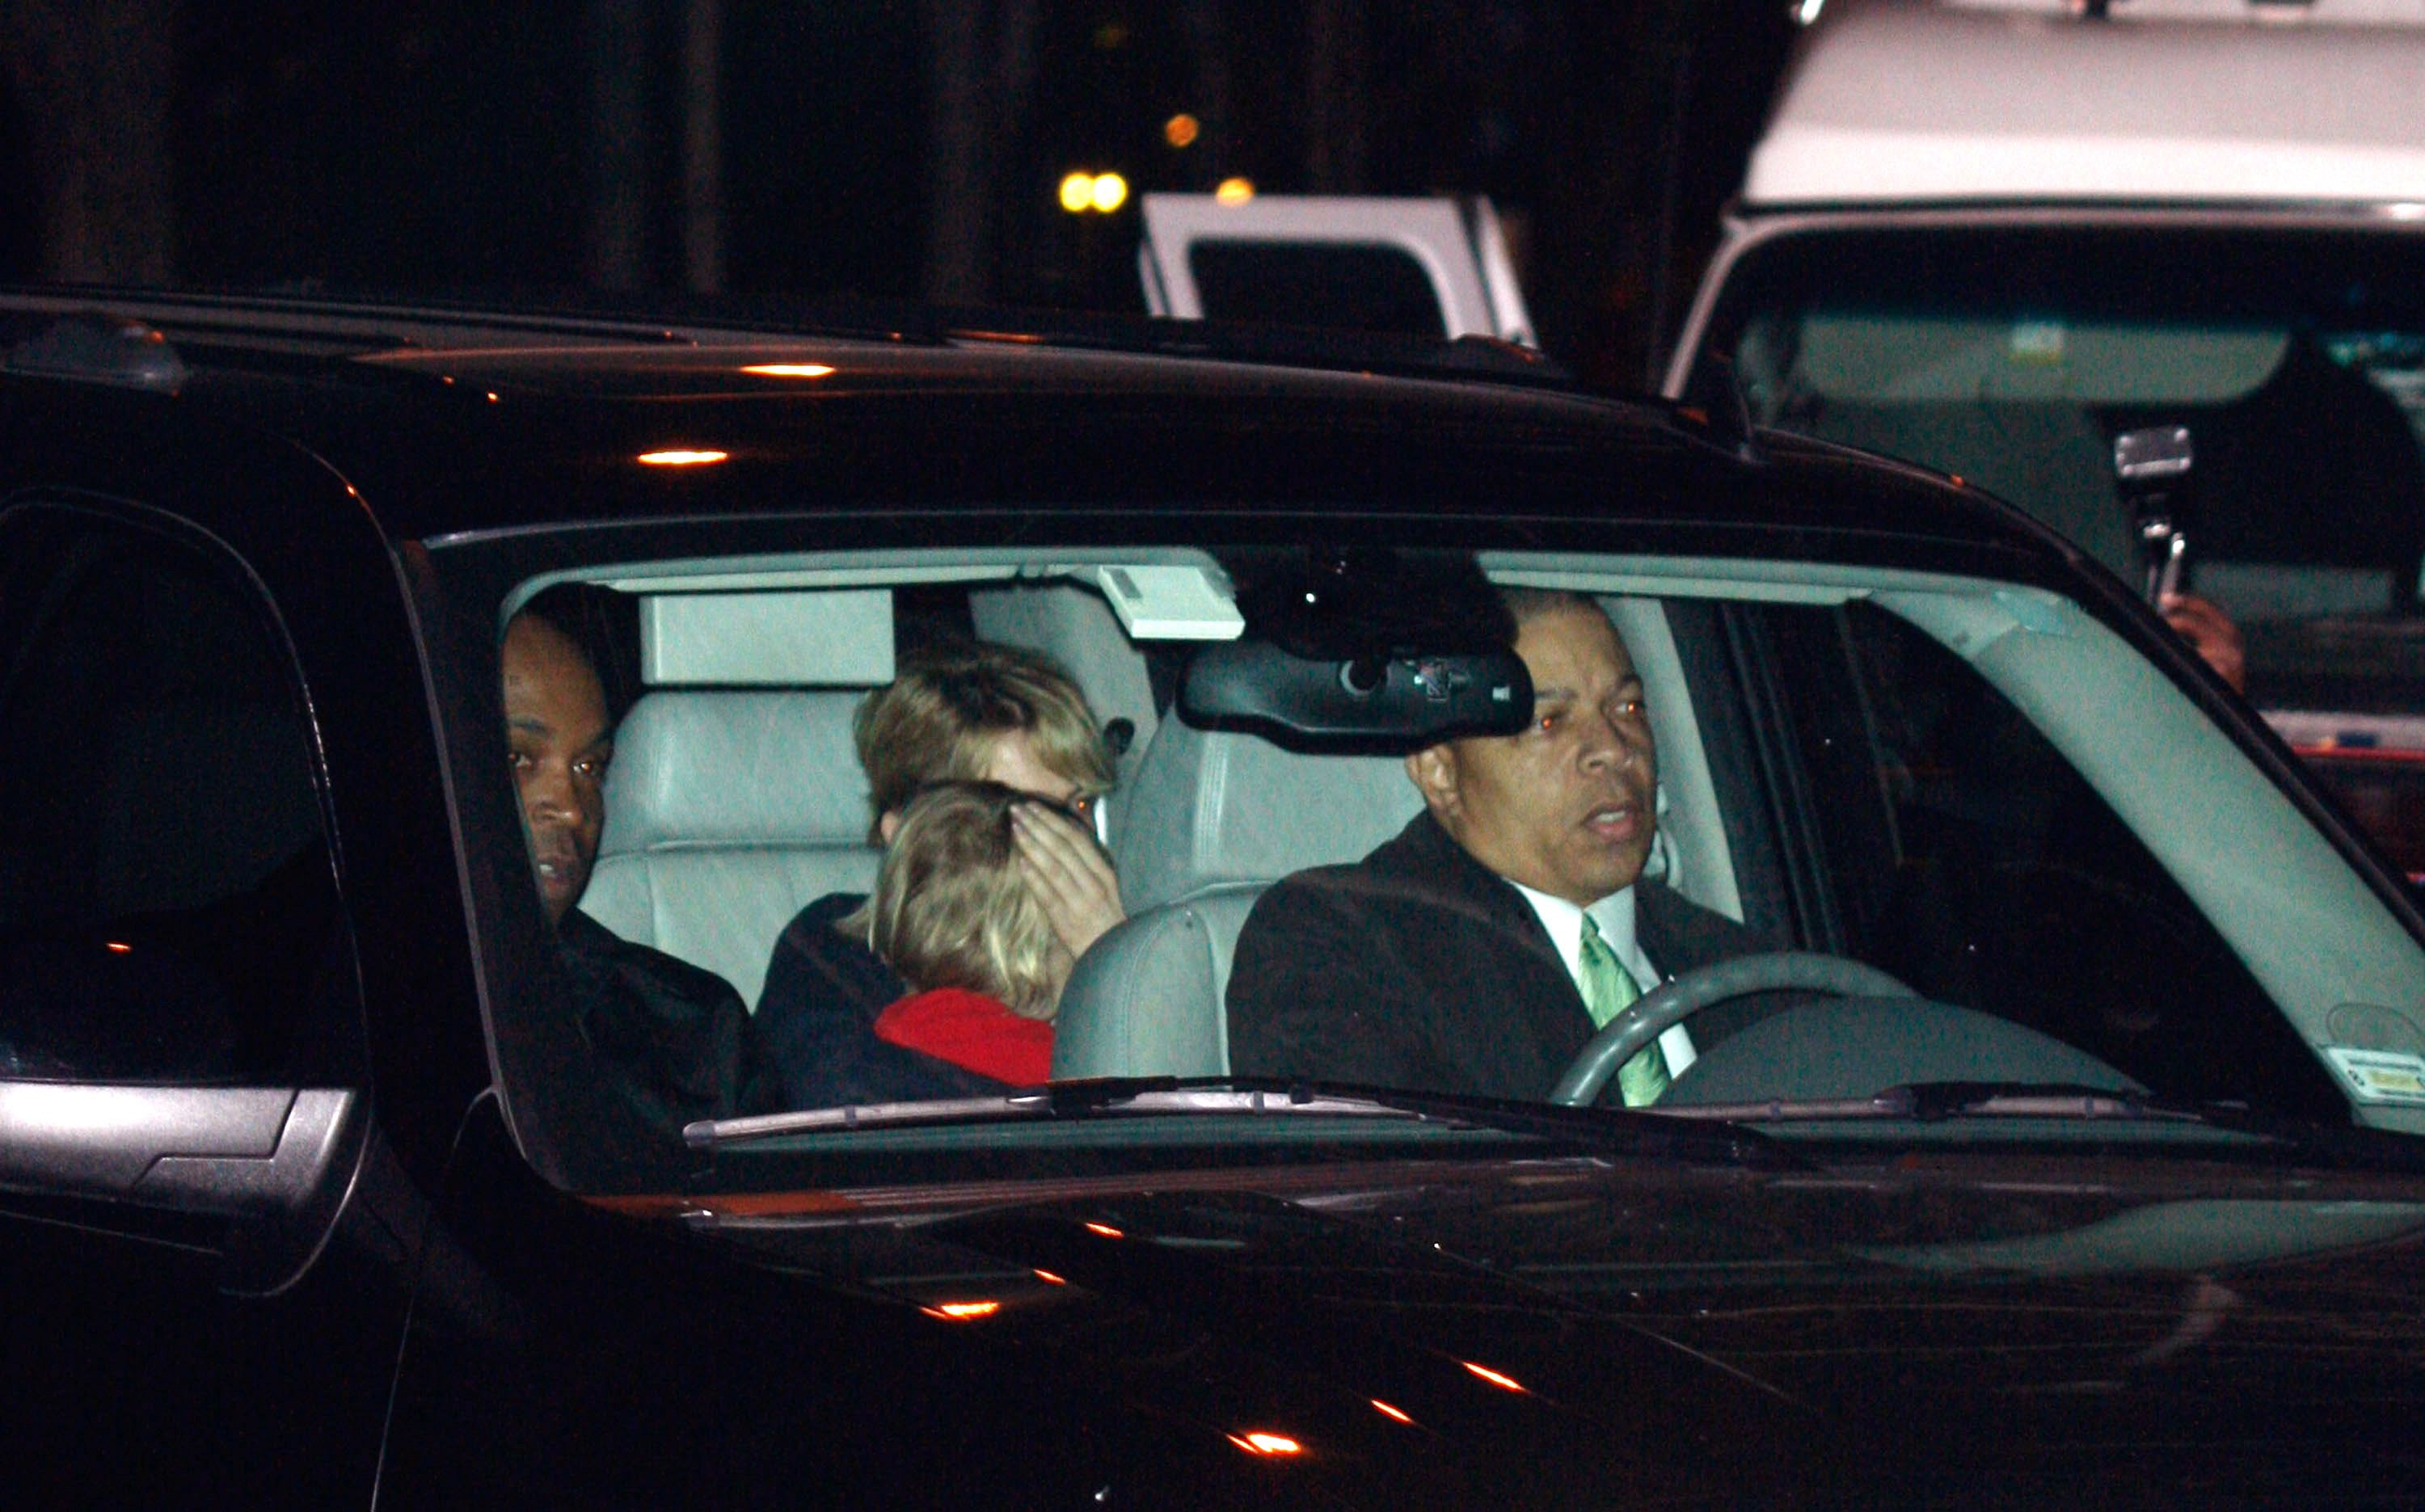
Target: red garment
point(971, 1031)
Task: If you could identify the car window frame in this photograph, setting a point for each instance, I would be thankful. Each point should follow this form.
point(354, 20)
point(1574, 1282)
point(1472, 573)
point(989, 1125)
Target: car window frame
point(101, 1145)
point(474, 575)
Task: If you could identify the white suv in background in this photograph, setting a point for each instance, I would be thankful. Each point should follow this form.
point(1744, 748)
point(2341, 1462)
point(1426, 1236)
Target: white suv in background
point(1996, 236)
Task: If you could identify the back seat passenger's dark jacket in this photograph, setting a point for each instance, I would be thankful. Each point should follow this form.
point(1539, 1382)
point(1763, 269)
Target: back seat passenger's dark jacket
point(816, 1021)
point(1419, 967)
point(674, 1039)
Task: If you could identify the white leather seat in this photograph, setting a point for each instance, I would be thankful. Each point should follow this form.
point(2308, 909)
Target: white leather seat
point(726, 814)
point(1147, 998)
point(1212, 808)
point(1213, 818)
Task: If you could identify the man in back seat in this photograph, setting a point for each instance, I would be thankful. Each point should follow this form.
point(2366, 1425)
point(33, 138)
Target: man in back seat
point(1480, 949)
point(670, 1041)
point(959, 712)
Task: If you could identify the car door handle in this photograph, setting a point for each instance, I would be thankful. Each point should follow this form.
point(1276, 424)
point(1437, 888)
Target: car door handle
point(238, 1151)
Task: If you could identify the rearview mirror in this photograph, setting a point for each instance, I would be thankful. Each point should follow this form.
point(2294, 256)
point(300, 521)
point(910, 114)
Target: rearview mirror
point(1367, 704)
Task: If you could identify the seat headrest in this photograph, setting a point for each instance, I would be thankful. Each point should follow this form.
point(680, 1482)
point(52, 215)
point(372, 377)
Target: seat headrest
point(1213, 807)
point(694, 768)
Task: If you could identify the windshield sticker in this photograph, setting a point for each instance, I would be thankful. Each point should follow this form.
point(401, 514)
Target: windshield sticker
point(2037, 343)
point(2381, 1076)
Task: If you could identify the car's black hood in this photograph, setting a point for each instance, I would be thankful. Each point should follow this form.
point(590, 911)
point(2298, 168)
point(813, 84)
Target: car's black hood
point(1577, 1333)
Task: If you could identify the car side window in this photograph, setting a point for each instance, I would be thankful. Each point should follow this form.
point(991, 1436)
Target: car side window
point(1355, 286)
point(167, 896)
point(1964, 856)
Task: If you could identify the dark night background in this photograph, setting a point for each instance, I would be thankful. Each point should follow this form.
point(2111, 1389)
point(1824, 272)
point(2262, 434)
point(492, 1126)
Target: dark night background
point(870, 150)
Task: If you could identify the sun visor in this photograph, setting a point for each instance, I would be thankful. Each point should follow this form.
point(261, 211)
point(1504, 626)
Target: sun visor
point(839, 638)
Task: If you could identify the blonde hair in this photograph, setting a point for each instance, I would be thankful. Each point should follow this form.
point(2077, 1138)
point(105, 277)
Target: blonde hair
point(949, 708)
point(950, 909)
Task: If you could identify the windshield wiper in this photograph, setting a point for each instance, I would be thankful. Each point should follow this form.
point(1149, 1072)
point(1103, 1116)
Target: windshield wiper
point(1935, 1102)
point(1932, 1101)
point(2340, 1146)
point(1173, 1096)
point(1099, 1097)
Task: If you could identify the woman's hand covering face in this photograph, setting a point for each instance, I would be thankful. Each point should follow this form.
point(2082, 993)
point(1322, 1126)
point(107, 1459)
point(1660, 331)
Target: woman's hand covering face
point(1068, 873)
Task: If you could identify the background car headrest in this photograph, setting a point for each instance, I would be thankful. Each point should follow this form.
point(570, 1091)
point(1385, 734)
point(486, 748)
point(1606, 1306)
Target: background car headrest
point(723, 768)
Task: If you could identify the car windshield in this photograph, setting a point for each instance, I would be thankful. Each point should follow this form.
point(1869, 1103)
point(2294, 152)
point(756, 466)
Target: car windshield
point(2017, 356)
point(826, 853)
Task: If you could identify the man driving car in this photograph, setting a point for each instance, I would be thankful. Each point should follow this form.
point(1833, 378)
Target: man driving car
point(1480, 949)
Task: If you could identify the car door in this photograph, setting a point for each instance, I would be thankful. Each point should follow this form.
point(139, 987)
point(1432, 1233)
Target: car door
point(1426, 267)
point(184, 1104)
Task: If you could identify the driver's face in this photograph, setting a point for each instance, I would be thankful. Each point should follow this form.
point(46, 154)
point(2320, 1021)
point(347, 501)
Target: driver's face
point(557, 729)
point(1565, 808)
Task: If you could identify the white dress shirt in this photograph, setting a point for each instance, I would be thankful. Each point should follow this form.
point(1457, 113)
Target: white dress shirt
point(1615, 916)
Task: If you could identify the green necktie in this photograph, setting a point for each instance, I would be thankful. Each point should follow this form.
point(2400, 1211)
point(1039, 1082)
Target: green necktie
point(1609, 990)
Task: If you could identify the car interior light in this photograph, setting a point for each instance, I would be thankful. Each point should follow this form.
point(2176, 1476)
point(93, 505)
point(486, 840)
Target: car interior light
point(790, 370)
point(1171, 603)
point(679, 458)
point(1234, 191)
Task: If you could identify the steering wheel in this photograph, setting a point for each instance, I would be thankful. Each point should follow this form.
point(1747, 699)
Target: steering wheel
point(1623, 1037)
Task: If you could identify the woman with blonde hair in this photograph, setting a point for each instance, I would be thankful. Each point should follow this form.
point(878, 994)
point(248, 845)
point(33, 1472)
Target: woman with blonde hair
point(954, 916)
point(961, 712)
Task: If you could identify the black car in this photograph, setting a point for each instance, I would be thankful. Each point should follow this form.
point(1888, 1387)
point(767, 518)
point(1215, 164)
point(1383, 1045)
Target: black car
point(2072, 1156)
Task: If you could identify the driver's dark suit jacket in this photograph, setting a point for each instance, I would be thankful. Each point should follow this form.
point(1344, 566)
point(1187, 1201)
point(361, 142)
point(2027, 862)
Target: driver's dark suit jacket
point(1419, 967)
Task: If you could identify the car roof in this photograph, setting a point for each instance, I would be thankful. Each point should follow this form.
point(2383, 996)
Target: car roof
point(456, 422)
point(1899, 102)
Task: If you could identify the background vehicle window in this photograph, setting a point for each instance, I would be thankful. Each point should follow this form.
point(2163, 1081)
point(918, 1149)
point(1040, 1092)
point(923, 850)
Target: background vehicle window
point(1354, 286)
point(166, 898)
point(1966, 857)
point(2014, 356)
